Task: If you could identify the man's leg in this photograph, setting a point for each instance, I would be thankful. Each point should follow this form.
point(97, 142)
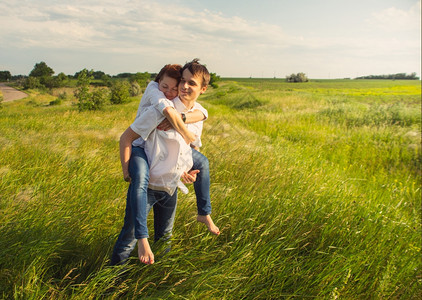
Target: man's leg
point(164, 213)
point(135, 222)
point(202, 191)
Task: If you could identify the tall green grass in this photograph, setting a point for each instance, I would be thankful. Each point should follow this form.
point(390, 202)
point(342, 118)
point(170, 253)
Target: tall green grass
point(315, 187)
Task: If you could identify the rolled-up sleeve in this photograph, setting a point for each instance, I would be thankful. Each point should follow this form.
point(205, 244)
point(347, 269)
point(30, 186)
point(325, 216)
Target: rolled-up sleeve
point(147, 121)
point(156, 97)
point(201, 109)
point(150, 114)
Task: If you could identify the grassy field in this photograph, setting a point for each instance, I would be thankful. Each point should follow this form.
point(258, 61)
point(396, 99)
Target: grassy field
point(316, 188)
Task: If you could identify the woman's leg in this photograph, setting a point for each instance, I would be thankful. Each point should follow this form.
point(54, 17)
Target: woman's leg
point(126, 241)
point(135, 224)
point(202, 190)
point(138, 190)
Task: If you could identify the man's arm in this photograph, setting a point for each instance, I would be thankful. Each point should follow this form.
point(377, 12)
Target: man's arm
point(191, 117)
point(194, 116)
point(125, 145)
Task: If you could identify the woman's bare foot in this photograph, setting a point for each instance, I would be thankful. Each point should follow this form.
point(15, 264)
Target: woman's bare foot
point(145, 254)
point(210, 224)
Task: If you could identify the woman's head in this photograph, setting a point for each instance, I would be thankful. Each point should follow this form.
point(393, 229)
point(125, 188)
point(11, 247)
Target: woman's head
point(168, 79)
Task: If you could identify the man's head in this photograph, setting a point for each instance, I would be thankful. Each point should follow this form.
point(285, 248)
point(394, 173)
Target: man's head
point(198, 70)
point(195, 79)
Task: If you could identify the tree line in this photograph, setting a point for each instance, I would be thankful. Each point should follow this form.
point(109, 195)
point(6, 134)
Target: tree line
point(93, 89)
point(398, 76)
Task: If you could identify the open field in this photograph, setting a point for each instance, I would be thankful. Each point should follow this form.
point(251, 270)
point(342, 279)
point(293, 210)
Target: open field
point(316, 188)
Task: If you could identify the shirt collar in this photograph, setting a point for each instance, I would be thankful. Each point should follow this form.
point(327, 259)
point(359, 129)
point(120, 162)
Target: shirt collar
point(180, 106)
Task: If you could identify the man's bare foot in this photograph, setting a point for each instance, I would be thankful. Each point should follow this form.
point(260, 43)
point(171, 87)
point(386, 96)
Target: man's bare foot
point(210, 224)
point(145, 254)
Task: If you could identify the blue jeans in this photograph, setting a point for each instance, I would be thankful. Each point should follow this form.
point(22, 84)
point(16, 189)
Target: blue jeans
point(202, 183)
point(137, 198)
point(137, 191)
point(164, 207)
point(140, 199)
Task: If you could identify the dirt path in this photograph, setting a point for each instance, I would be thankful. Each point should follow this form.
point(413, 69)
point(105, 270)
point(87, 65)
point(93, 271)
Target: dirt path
point(10, 94)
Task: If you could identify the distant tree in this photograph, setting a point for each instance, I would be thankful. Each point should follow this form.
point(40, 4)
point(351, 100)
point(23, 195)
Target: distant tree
point(123, 75)
point(106, 79)
point(141, 78)
point(299, 77)
point(398, 76)
point(77, 74)
point(119, 92)
point(49, 82)
point(5, 76)
point(98, 74)
point(213, 80)
point(44, 74)
point(61, 79)
point(41, 70)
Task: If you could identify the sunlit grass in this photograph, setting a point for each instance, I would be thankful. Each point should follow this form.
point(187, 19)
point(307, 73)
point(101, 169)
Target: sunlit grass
point(316, 194)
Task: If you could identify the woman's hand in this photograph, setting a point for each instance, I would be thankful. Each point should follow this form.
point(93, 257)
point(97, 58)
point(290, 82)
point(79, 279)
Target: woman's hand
point(189, 177)
point(126, 177)
point(165, 125)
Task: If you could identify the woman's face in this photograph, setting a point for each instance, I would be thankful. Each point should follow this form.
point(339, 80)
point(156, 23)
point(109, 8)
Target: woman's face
point(168, 86)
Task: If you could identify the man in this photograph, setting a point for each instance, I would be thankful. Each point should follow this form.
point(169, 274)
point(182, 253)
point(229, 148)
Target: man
point(192, 84)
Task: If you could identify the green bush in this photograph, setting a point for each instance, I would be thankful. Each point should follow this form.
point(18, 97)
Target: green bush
point(299, 77)
point(119, 92)
point(31, 83)
point(82, 92)
point(62, 97)
point(56, 102)
point(135, 89)
point(213, 80)
point(99, 98)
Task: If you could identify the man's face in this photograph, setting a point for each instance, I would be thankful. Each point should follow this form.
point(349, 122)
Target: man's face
point(190, 87)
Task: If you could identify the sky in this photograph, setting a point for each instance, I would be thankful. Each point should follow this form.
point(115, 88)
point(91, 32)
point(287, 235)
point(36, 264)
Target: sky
point(236, 38)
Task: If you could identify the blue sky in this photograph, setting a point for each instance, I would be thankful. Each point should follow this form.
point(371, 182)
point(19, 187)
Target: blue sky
point(322, 38)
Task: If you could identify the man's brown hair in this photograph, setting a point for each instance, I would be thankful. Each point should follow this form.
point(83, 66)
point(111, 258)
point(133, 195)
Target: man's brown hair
point(197, 69)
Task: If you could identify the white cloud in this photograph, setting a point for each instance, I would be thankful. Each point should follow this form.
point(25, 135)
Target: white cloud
point(394, 19)
point(79, 24)
point(145, 34)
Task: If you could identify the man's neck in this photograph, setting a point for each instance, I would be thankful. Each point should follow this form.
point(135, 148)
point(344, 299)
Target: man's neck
point(188, 104)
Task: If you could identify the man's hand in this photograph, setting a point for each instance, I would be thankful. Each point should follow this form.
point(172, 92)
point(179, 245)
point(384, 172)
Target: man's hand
point(189, 177)
point(190, 137)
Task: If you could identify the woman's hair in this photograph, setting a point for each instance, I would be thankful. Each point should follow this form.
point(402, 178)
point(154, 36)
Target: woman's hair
point(172, 71)
point(197, 69)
